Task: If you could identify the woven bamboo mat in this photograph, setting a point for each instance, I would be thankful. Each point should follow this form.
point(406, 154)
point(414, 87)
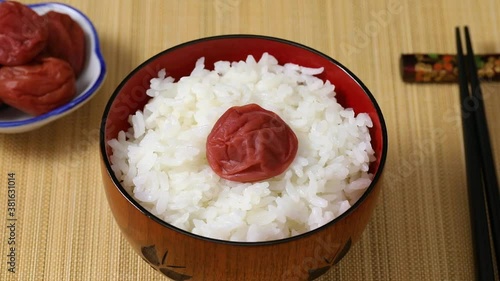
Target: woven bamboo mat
point(420, 229)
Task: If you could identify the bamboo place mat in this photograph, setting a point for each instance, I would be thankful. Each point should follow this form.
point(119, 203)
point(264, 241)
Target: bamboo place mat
point(420, 229)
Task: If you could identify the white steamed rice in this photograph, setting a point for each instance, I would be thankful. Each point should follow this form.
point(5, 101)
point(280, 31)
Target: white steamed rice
point(161, 159)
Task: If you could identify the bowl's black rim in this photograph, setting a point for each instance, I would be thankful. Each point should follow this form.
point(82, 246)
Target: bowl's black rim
point(237, 243)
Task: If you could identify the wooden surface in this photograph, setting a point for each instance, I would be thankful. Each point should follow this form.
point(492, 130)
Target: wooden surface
point(420, 230)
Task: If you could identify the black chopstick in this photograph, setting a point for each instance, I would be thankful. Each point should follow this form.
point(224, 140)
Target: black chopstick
point(477, 205)
point(488, 164)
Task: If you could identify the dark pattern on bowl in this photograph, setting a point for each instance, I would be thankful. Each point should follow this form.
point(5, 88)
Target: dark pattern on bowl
point(150, 255)
point(316, 273)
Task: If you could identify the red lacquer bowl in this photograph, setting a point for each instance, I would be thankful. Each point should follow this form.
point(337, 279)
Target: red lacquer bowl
point(180, 255)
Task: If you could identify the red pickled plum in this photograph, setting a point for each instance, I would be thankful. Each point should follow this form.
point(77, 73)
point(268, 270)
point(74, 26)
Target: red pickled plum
point(249, 143)
point(66, 40)
point(23, 33)
point(38, 87)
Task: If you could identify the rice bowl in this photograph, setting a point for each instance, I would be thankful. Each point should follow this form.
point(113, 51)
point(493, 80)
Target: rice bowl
point(184, 255)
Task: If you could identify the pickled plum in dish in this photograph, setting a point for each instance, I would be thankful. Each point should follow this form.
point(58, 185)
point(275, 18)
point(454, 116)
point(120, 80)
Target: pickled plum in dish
point(23, 33)
point(38, 87)
point(36, 53)
point(66, 40)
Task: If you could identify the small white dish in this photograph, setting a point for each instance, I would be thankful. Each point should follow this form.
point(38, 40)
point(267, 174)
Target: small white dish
point(89, 81)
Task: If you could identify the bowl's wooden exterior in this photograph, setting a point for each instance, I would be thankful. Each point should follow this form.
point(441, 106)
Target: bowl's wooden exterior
point(183, 256)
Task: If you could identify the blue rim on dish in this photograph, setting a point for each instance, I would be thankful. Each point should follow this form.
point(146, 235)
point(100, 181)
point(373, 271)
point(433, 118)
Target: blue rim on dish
point(142, 209)
point(82, 96)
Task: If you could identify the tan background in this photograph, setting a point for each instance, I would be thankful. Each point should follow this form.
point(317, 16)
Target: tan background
point(420, 230)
